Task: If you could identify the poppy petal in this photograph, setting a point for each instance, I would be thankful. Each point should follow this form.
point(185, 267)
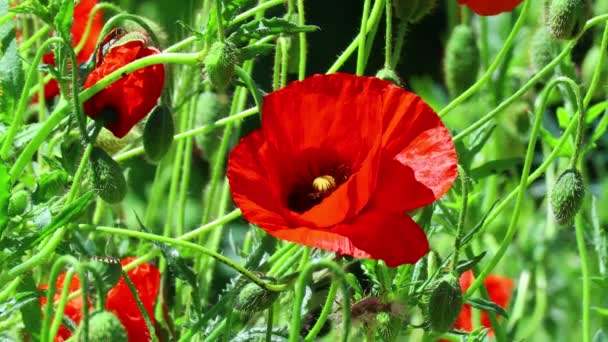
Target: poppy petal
point(251, 190)
point(490, 7)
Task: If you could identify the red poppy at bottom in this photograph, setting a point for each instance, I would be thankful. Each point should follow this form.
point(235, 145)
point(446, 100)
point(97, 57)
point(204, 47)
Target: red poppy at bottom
point(339, 161)
point(490, 7)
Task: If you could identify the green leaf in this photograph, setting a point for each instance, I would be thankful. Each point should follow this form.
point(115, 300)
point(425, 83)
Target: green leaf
point(265, 27)
point(471, 234)
point(11, 73)
point(466, 265)
point(601, 128)
point(487, 305)
point(494, 167)
point(566, 151)
point(563, 118)
point(256, 50)
point(108, 178)
point(31, 312)
point(228, 12)
point(595, 111)
point(158, 133)
point(5, 184)
point(63, 19)
point(50, 185)
point(601, 311)
point(191, 29)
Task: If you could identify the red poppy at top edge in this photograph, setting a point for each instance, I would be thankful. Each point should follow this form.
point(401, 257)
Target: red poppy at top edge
point(499, 290)
point(338, 162)
point(490, 7)
point(82, 13)
point(125, 102)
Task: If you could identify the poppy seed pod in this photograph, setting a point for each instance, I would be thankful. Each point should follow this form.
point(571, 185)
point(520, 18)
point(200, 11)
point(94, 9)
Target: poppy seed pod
point(444, 303)
point(254, 298)
point(108, 180)
point(543, 48)
point(565, 18)
point(220, 63)
point(389, 75)
point(461, 61)
point(104, 326)
point(18, 203)
point(567, 196)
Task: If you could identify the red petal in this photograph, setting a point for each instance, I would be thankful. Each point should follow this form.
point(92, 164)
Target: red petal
point(419, 159)
point(490, 7)
point(392, 237)
point(323, 115)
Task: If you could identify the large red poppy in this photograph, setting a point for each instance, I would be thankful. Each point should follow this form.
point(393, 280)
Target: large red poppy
point(82, 13)
point(120, 301)
point(490, 7)
point(499, 290)
point(125, 102)
point(338, 162)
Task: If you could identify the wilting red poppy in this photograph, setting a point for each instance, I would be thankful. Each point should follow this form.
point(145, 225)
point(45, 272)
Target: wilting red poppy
point(490, 7)
point(499, 290)
point(125, 102)
point(82, 13)
point(73, 308)
point(338, 162)
point(120, 301)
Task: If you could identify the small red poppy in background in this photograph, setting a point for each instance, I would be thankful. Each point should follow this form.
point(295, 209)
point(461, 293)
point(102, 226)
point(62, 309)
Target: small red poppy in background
point(338, 162)
point(125, 102)
point(82, 13)
point(120, 301)
point(490, 7)
point(499, 290)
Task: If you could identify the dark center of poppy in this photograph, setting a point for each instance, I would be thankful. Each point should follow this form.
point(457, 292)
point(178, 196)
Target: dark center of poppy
point(306, 195)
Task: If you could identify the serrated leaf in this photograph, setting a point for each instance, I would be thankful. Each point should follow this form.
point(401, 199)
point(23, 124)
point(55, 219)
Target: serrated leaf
point(5, 191)
point(466, 265)
point(11, 73)
point(63, 19)
point(256, 50)
point(265, 27)
point(494, 167)
point(487, 305)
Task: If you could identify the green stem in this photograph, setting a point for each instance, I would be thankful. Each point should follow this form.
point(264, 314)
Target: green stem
point(255, 92)
point(303, 42)
point(361, 40)
point(34, 38)
point(582, 250)
point(524, 180)
point(497, 62)
point(269, 323)
point(253, 11)
point(388, 38)
point(141, 21)
point(462, 217)
point(219, 20)
point(87, 29)
point(595, 80)
point(296, 316)
point(140, 305)
point(173, 241)
point(24, 98)
point(331, 295)
point(400, 41)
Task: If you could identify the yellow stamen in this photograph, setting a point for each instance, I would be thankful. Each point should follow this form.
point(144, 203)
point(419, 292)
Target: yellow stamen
point(324, 184)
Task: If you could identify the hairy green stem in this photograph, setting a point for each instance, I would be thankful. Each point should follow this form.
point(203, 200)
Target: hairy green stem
point(140, 305)
point(582, 251)
point(325, 311)
point(303, 43)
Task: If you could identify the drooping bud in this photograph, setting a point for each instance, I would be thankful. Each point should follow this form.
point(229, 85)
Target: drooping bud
point(461, 62)
point(108, 179)
point(567, 196)
point(543, 48)
point(104, 326)
point(158, 133)
point(389, 75)
point(220, 63)
point(444, 303)
point(18, 203)
point(254, 298)
point(566, 18)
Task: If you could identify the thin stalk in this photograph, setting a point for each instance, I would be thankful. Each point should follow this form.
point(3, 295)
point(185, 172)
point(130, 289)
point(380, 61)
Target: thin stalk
point(400, 41)
point(388, 37)
point(140, 305)
point(582, 251)
point(329, 301)
point(362, 36)
point(303, 42)
point(462, 217)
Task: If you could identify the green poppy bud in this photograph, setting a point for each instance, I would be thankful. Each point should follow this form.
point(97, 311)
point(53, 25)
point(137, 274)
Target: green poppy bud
point(220, 63)
point(543, 49)
point(567, 196)
point(566, 18)
point(444, 303)
point(389, 75)
point(18, 203)
point(254, 298)
point(461, 61)
point(108, 179)
point(104, 326)
point(158, 133)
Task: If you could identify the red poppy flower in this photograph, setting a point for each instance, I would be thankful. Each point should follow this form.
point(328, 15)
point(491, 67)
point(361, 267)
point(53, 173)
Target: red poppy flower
point(120, 301)
point(125, 102)
point(490, 7)
point(82, 13)
point(499, 290)
point(73, 308)
point(337, 163)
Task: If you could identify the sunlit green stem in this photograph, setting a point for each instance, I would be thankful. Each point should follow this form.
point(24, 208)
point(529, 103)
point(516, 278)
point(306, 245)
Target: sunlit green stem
point(582, 251)
point(362, 37)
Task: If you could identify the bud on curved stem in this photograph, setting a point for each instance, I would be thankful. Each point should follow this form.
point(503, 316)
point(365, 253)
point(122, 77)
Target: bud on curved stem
point(566, 18)
point(461, 60)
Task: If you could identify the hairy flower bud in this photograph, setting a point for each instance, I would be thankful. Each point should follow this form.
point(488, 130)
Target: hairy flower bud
point(108, 179)
point(567, 196)
point(220, 63)
point(389, 75)
point(254, 298)
point(461, 60)
point(444, 303)
point(543, 48)
point(565, 18)
point(104, 326)
point(18, 203)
